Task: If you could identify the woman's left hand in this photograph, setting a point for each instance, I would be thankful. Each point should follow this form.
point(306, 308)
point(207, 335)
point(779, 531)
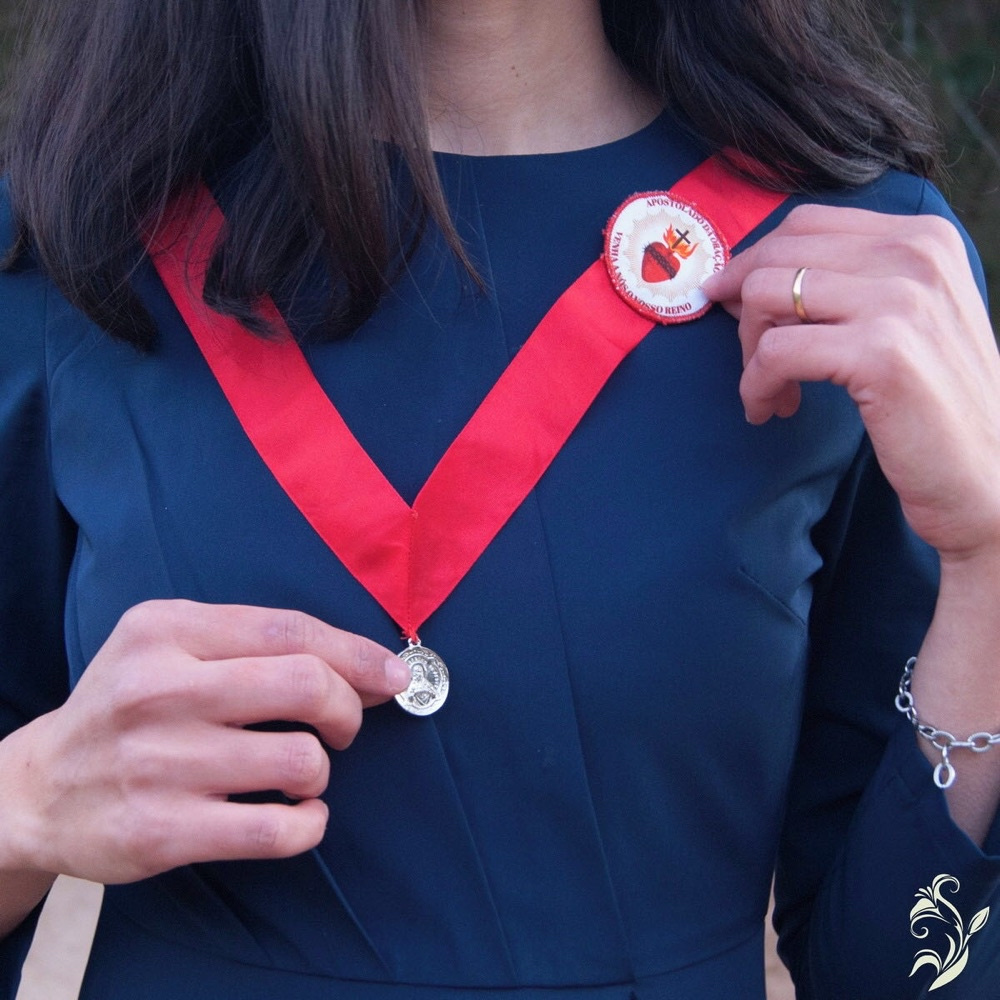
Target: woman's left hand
point(894, 316)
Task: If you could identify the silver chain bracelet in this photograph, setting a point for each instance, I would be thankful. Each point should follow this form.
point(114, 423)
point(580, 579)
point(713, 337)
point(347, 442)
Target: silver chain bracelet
point(944, 773)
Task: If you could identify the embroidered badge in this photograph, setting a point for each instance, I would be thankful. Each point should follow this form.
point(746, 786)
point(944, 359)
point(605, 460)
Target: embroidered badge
point(658, 250)
point(932, 905)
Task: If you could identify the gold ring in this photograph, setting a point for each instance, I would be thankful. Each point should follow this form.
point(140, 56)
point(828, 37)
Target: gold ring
point(800, 309)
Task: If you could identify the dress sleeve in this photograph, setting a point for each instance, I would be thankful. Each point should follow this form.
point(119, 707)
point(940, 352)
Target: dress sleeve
point(878, 893)
point(36, 536)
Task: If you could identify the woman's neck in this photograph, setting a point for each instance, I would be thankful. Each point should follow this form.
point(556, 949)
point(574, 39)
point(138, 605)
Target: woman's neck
point(526, 76)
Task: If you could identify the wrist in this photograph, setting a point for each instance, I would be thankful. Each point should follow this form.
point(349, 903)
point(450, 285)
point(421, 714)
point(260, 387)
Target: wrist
point(969, 593)
point(23, 885)
point(943, 741)
point(20, 833)
point(958, 683)
point(980, 562)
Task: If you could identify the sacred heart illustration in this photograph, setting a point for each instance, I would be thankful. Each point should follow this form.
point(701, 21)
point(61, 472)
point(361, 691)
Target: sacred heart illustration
point(658, 263)
point(662, 261)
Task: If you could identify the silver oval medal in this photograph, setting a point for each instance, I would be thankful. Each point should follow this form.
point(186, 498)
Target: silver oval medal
point(429, 682)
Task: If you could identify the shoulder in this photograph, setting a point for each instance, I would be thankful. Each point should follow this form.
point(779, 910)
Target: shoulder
point(896, 193)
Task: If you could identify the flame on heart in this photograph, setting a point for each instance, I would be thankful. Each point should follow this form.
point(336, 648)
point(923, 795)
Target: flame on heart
point(679, 244)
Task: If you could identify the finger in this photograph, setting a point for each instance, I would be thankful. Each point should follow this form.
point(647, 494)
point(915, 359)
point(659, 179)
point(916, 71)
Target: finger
point(230, 831)
point(299, 688)
point(872, 256)
point(219, 761)
point(765, 302)
point(829, 220)
point(825, 297)
point(293, 763)
point(768, 304)
point(850, 241)
point(788, 355)
point(215, 632)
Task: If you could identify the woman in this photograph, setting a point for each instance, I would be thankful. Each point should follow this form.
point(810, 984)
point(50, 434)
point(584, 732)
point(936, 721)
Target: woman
point(674, 651)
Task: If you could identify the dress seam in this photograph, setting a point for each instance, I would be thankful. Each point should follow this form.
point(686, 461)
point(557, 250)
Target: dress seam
point(579, 739)
point(484, 874)
point(632, 980)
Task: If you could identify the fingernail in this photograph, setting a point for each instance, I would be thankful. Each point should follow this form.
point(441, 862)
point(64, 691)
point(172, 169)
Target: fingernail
point(397, 673)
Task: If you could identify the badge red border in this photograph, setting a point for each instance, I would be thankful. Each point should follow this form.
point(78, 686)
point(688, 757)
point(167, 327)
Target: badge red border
point(650, 309)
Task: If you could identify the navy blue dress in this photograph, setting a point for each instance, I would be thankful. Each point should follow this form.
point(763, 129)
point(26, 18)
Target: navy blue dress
point(598, 810)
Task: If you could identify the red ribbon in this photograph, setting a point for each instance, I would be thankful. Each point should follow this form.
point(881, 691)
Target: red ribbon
point(411, 558)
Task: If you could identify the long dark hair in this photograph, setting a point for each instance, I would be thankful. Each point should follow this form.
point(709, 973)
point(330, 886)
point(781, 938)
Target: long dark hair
point(125, 105)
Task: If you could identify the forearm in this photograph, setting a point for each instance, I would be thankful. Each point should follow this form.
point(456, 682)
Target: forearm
point(21, 886)
point(956, 685)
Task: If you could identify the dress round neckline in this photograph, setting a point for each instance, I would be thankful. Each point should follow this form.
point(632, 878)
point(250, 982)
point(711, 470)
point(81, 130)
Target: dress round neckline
point(615, 145)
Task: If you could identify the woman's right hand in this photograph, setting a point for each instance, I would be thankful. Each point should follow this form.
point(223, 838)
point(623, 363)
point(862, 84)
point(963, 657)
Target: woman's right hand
point(132, 775)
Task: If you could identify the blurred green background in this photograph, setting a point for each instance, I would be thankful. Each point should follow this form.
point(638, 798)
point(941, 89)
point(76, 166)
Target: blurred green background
point(953, 47)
